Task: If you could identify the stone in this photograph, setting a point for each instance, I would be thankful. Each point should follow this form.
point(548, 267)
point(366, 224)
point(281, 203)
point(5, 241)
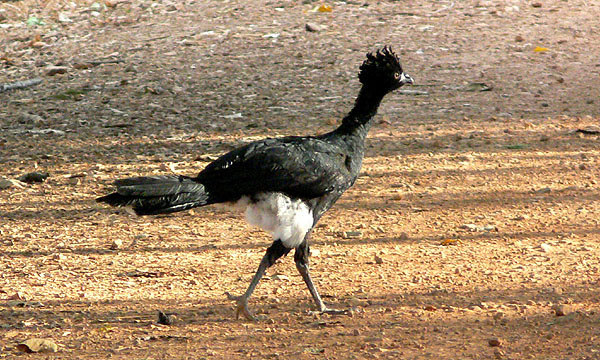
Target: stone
point(5, 183)
point(354, 301)
point(33, 177)
point(546, 248)
point(562, 309)
point(36, 345)
point(165, 319)
point(280, 277)
point(116, 244)
point(54, 70)
point(351, 234)
point(494, 342)
point(312, 27)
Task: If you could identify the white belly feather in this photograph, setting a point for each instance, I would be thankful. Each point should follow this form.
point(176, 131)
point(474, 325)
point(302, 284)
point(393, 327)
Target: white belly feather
point(286, 219)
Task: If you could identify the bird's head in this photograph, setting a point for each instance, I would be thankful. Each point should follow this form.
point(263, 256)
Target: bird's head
point(382, 70)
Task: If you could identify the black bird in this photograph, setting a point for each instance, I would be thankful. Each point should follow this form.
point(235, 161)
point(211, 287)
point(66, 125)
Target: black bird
point(286, 184)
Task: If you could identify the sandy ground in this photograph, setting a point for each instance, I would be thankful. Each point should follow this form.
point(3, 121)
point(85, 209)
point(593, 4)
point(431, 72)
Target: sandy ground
point(475, 221)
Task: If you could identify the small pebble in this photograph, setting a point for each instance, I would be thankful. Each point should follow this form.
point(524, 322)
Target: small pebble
point(279, 277)
point(165, 319)
point(354, 301)
point(37, 345)
point(494, 342)
point(561, 309)
point(378, 259)
point(312, 27)
point(33, 177)
point(558, 291)
point(5, 183)
point(116, 244)
point(352, 234)
point(546, 248)
point(53, 70)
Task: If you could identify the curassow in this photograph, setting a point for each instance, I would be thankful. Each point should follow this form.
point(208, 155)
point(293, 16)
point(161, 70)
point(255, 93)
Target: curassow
point(285, 184)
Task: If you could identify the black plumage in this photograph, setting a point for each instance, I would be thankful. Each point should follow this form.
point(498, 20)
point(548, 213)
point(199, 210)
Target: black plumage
point(310, 172)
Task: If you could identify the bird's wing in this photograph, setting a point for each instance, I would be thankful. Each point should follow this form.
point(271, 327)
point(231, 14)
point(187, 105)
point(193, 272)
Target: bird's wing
point(300, 167)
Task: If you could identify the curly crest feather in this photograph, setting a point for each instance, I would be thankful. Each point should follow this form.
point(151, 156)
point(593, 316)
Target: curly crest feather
point(379, 66)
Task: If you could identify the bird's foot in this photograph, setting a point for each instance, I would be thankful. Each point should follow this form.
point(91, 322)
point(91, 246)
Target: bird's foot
point(242, 307)
point(333, 312)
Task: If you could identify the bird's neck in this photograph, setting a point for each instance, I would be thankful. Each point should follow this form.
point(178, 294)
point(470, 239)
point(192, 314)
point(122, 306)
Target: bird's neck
point(359, 120)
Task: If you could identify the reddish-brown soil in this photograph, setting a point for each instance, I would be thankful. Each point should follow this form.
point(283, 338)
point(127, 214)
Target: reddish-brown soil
point(475, 218)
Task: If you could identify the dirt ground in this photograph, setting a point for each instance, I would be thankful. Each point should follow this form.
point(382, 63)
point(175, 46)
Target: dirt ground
point(475, 221)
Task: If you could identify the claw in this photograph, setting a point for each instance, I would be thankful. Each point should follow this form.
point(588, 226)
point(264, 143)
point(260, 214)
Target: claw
point(242, 309)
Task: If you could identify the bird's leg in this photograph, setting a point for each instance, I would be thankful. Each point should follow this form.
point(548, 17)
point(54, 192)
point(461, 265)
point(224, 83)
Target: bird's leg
point(274, 252)
point(301, 258)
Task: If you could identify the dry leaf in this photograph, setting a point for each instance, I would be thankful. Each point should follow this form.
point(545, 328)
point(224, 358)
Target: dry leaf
point(280, 277)
point(450, 242)
point(322, 8)
point(37, 345)
point(16, 296)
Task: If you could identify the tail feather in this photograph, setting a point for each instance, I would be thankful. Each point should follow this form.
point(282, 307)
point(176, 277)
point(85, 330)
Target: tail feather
point(157, 194)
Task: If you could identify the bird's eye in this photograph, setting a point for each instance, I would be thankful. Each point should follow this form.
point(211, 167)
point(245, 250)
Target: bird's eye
point(397, 75)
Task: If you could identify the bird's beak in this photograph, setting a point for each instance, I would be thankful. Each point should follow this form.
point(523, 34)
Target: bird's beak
point(406, 79)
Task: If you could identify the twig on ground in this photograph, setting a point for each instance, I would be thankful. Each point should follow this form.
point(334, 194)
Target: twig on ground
point(588, 131)
point(156, 38)
point(19, 84)
point(413, 92)
point(444, 8)
point(100, 62)
point(93, 63)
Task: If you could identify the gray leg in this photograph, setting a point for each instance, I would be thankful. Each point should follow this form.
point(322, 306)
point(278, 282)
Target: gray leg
point(274, 252)
point(301, 258)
